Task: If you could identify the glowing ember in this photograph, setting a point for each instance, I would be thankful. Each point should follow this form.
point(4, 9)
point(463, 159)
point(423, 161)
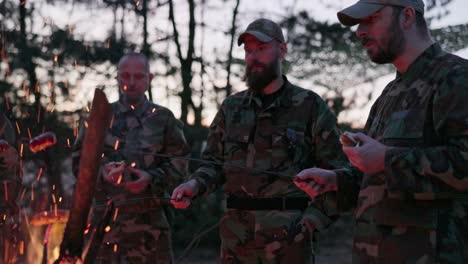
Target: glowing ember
point(115, 247)
point(21, 247)
point(68, 143)
point(112, 121)
point(5, 188)
point(39, 174)
point(133, 107)
point(18, 128)
point(75, 128)
point(133, 165)
point(116, 212)
point(125, 88)
point(32, 191)
point(116, 145)
point(21, 150)
point(23, 193)
point(154, 110)
point(55, 58)
point(119, 180)
point(86, 231)
point(107, 229)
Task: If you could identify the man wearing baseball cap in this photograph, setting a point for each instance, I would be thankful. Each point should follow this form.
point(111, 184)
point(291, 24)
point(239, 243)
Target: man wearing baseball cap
point(264, 136)
point(411, 194)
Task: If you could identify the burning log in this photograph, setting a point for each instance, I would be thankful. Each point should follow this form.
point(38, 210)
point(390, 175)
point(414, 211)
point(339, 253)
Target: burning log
point(93, 147)
point(49, 217)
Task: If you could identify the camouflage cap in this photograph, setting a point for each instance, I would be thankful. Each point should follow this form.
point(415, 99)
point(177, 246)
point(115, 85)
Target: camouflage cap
point(354, 14)
point(264, 30)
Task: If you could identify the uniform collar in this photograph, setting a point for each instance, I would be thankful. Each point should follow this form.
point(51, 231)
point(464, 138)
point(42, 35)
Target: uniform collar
point(137, 110)
point(421, 63)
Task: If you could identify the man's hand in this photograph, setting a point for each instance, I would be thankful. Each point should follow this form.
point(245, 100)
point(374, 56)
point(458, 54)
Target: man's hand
point(183, 194)
point(9, 158)
point(369, 156)
point(112, 172)
point(140, 185)
point(316, 181)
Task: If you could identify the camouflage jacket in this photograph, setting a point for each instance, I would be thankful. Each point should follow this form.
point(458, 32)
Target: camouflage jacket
point(9, 178)
point(295, 132)
point(134, 136)
point(422, 115)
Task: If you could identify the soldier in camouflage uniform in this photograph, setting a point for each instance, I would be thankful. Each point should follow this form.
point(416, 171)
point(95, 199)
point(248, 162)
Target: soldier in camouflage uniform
point(264, 136)
point(10, 183)
point(412, 198)
point(140, 232)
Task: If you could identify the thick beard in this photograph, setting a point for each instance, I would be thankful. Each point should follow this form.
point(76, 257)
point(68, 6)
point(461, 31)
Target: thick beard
point(393, 46)
point(258, 80)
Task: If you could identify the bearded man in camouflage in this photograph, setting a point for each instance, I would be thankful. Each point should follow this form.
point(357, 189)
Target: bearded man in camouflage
point(411, 194)
point(264, 136)
point(131, 173)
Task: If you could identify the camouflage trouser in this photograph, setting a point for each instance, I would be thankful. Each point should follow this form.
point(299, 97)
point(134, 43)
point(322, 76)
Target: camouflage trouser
point(461, 220)
point(9, 241)
point(134, 241)
point(244, 241)
point(408, 244)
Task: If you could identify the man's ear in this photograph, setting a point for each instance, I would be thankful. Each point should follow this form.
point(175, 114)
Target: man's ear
point(409, 17)
point(283, 49)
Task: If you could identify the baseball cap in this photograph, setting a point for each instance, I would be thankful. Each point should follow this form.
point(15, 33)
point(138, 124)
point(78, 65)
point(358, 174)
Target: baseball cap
point(352, 15)
point(264, 30)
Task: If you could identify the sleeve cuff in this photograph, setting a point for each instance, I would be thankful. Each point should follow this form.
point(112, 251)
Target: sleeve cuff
point(395, 164)
point(201, 180)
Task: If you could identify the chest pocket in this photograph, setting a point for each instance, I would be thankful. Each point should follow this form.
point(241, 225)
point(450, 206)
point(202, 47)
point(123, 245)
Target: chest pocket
point(236, 143)
point(405, 128)
point(150, 139)
point(287, 146)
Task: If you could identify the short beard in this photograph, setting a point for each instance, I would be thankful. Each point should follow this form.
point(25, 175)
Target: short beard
point(257, 81)
point(393, 46)
point(133, 100)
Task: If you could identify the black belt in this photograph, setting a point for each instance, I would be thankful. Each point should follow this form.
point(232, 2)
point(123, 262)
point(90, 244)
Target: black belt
point(276, 203)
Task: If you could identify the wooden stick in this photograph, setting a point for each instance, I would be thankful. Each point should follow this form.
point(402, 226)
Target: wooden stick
point(93, 147)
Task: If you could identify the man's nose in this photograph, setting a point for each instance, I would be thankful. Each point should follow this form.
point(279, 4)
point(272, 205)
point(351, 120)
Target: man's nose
point(361, 31)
